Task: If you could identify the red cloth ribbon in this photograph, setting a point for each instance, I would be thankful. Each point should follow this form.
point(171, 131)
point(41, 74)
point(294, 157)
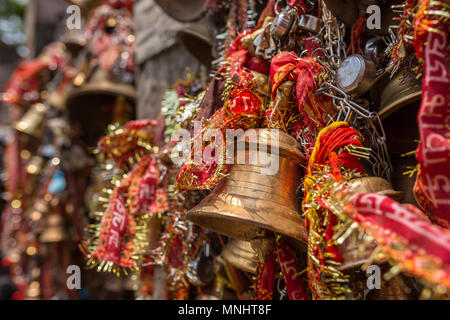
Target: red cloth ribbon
point(406, 234)
point(265, 277)
point(294, 284)
point(142, 190)
point(113, 244)
point(297, 4)
point(432, 187)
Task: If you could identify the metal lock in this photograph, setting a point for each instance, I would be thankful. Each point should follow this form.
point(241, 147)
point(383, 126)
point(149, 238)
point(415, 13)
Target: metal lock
point(373, 49)
point(264, 43)
point(308, 23)
point(282, 24)
point(356, 74)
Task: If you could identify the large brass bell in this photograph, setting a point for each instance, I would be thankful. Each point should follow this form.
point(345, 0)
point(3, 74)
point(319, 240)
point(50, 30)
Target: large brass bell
point(399, 101)
point(184, 11)
point(248, 201)
point(357, 248)
point(197, 39)
point(54, 230)
point(241, 255)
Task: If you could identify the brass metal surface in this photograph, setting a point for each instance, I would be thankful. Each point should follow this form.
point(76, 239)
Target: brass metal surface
point(247, 201)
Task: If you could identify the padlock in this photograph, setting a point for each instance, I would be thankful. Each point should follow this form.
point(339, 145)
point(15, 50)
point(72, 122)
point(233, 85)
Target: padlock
point(264, 43)
point(308, 23)
point(356, 74)
point(283, 24)
point(373, 49)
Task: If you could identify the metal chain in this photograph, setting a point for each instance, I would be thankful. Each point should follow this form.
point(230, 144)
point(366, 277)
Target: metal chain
point(359, 117)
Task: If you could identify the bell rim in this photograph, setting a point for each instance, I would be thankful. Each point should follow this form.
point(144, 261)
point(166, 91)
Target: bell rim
point(387, 189)
point(176, 14)
point(207, 41)
point(396, 105)
point(217, 210)
point(384, 84)
point(243, 263)
point(105, 88)
point(286, 145)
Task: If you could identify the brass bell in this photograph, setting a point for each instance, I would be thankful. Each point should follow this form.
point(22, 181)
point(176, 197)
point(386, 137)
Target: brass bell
point(283, 99)
point(100, 83)
point(374, 185)
point(74, 41)
point(32, 120)
point(54, 230)
point(219, 291)
point(357, 248)
point(34, 166)
point(392, 94)
point(184, 11)
point(248, 201)
point(241, 255)
point(197, 39)
point(58, 100)
point(399, 101)
point(92, 102)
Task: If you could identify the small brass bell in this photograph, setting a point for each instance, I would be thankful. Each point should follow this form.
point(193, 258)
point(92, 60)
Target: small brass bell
point(241, 255)
point(248, 200)
point(54, 230)
point(197, 39)
point(374, 185)
point(357, 248)
point(34, 166)
point(184, 11)
point(57, 100)
point(219, 291)
point(74, 41)
point(154, 232)
point(32, 120)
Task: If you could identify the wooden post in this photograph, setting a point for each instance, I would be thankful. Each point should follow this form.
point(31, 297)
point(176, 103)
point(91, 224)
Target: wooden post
point(30, 28)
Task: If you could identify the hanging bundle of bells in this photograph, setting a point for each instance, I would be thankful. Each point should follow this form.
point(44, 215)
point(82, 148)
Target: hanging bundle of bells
point(311, 188)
